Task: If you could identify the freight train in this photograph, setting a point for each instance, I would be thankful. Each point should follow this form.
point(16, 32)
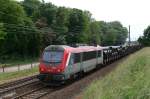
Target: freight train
point(60, 63)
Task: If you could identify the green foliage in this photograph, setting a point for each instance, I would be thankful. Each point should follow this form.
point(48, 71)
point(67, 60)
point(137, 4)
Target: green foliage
point(95, 30)
point(2, 36)
point(120, 31)
point(48, 11)
point(145, 40)
point(2, 33)
point(29, 26)
point(113, 33)
point(77, 26)
point(68, 26)
point(60, 25)
point(110, 37)
point(21, 37)
point(31, 6)
point(11, 12)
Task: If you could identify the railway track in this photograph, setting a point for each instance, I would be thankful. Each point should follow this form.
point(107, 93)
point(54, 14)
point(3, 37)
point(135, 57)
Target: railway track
point(10, 84)
point(10, 89)
point(35, 94)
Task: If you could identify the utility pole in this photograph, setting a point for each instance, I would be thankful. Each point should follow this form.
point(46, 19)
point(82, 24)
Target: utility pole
point(129, 36)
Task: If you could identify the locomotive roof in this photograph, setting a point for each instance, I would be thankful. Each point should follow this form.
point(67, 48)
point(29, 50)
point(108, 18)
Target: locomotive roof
point(107, 47)
point(74, 49)
point(58, 47)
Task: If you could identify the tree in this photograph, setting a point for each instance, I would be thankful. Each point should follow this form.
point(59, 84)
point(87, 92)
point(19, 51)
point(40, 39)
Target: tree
point(2, 33)
point(110, 37)
point(31, 6)
point(11, 12)
point(60, 25)
point(30, 25)
point(121, 32)
point(45, 20)
point(2, 37)
point(48, 11)
point(113, 33)
point(145, 39)
point(77, 26)
point(19, 30)
point(95, 31)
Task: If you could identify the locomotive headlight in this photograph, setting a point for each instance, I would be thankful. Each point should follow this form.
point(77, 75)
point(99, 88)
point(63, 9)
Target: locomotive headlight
point(58, 70)
point(42, 69)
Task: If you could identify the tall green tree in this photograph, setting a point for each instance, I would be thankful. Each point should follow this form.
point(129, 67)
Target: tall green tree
point(121, 32)
point(19, 29)
point(11, 12)
point(45, 20)
point(113, 33)
point(2, 33)
point(60, 25)
point(2, 37)
point(145, 39)
point(31, 6)
point(48, 11)
point(95, 31)
point(77, 26)
point(110, 37)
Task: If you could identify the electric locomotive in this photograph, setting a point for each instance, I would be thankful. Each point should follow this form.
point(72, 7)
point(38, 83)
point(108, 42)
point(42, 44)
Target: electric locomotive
point(60, 62)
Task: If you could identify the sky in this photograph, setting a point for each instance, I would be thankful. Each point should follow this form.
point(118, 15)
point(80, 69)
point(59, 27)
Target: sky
point(129, 12)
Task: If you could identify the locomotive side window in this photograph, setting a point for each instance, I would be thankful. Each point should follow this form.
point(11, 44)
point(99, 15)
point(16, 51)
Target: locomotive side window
point(89, 55)
point(99, 53)
point(77, 57)
point(52, 56)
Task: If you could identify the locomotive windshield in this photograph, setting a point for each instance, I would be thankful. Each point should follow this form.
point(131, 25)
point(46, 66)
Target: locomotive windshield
point(52, 56)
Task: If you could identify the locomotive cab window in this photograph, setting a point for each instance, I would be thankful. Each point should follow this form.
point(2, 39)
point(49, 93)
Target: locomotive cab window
point(71, 61)
point(52, 56)
point(77, 57)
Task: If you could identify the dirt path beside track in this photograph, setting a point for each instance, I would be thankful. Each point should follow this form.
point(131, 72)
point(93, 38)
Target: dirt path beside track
point(74, 90)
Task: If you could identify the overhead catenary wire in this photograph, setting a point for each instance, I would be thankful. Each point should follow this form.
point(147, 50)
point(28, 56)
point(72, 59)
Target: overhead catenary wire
point(26, 30)
point(55, 29)
point(18, 28)
point(1, 12)
point(14, 26)
point(45, 30)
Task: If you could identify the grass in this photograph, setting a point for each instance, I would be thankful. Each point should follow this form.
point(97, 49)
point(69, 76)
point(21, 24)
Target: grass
point(6, 77)
point(131, 80)
point(14, 62)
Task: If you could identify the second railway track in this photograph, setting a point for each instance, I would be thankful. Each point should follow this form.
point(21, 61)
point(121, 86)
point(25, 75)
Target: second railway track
point(36, 93)
point(20, 81)
point(17, 87)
